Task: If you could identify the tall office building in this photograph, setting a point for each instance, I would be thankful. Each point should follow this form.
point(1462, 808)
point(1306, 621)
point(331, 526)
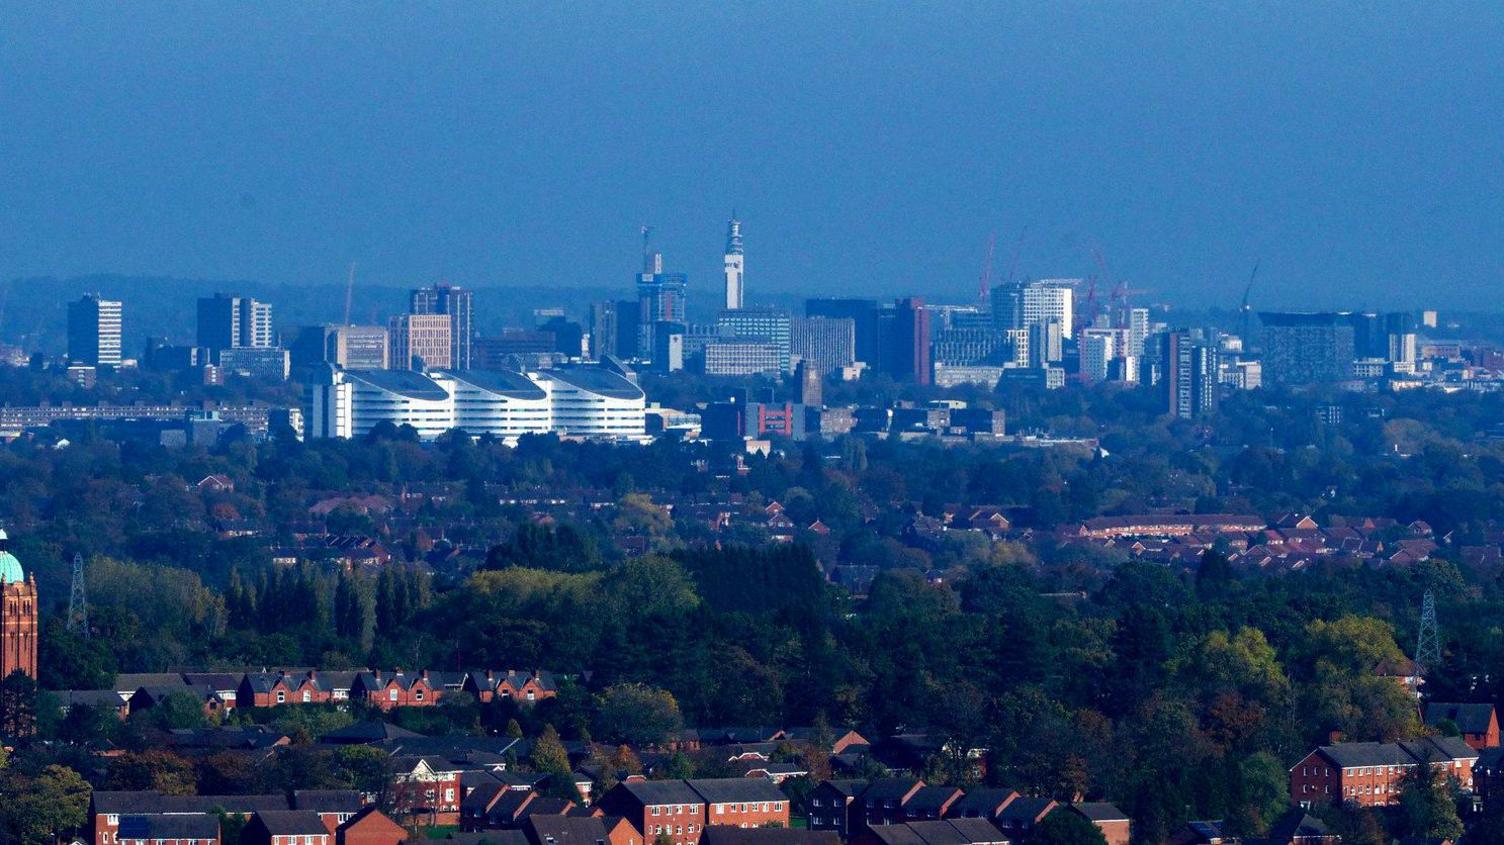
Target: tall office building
point(234, 322)
point(828, 343)
point(771, 325)
point(864, 315)
point(1050, 299)
point(94, 331)
point(661, 298)
point(459, 304)
point(906, 349)
point(1190, 375)
point(422, 342)
point(1308, 348)
point(734, 259)
point(1046, 343)
point(351, 347)
point(1008, 306)
point(602, 329)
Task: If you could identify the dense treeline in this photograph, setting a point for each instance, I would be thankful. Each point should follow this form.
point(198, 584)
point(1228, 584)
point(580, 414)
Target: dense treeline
point(1173, 692)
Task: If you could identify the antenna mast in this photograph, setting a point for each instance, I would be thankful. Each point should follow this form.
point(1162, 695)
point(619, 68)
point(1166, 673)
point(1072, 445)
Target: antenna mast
point(78, 601)
point(1428, 643)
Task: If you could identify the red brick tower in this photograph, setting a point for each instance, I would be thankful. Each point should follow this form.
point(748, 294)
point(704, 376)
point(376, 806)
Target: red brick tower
point(18, 616)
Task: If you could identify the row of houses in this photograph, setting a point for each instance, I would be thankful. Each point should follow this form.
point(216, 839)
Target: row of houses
point(868, 810)
point(223, 691)
point(327, 817)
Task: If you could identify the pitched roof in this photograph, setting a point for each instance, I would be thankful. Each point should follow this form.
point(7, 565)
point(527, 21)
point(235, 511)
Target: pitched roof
point(1026, 809)
point(733, 790)
point(1296, 823)
point(292, 822)
point(982, 802)
point(1100, 811)
point(370, 731)
point(327, 800)
point(661, 792)
point(196, 826)
point(1348, 755)
point(139, 802)
point(1469, 718)
point(565, 830)
point(890, 789)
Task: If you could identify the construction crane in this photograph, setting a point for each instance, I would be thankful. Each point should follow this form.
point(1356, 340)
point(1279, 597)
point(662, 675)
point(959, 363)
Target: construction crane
point(1243, 309)
point(1018, 248)
point(349, 291)
point(984, 287)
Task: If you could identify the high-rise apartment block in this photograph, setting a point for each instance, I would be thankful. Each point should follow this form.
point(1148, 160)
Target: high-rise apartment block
point(1190, 375)
point(94, 331)
point(459, 305)
point(234, 322)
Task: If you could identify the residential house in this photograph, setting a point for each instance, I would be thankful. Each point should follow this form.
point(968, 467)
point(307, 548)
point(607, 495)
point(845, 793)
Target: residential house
point(835, 805)
point(668, 808)
point(162, 829)
point(369, 827)
point(1477, 723)
point(285, 827)
point(1488, 778)
point(1369, 773)
point(981, 804)
point(721, 835)
point(146, 698)
point(939, 832)
point(742, 802)
point(581, 830)
point(1202, 833)
point(107, 808)
point(397, 689)
point(1297, 828)
point(1021, 815)
point(426, 788)
point(883, 799)
point(521, 687)
point(334, 807)
point(930, 803)
point(1113, 823)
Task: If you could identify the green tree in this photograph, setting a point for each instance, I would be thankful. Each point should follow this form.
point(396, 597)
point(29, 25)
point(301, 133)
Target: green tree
point(38, 810)
point(18, 705)
point(1428, 805)
point(548, 754)
point(1067, 827)
point(155, 769)
point(637, 715)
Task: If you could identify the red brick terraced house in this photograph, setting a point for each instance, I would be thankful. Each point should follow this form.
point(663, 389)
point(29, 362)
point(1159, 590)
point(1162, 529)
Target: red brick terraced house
point(668, 808)
point(108, 808)
point(286, 827)
point(397, 689)
point(742, 802)
point(169, 830)
point(1368, 773)
point(369, 827)
point(521, 687)
point(1478, 723)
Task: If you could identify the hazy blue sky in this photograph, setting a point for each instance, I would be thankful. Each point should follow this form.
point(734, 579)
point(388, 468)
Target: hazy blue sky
point(1358, 149)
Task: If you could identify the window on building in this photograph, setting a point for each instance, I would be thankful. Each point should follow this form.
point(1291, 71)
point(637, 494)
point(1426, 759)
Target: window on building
point(281, 697)
point(307, 696)
point(391, 695)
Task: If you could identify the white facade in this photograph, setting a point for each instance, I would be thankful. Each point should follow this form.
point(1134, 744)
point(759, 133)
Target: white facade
point(1050, 298)
point(1098, 348)
point(592, 402)
point(734, 259)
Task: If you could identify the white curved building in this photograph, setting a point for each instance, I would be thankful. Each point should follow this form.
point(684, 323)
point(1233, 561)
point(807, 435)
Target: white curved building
point(503, 404)
point(594, 402)
point(588, 402)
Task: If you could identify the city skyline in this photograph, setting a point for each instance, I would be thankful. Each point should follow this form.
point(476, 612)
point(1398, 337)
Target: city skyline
point(1182, 146)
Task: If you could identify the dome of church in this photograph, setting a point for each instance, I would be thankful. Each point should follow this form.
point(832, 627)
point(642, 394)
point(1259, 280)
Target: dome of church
point(10, 568)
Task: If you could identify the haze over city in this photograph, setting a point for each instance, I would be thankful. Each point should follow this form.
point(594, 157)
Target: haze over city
point(870, 149)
